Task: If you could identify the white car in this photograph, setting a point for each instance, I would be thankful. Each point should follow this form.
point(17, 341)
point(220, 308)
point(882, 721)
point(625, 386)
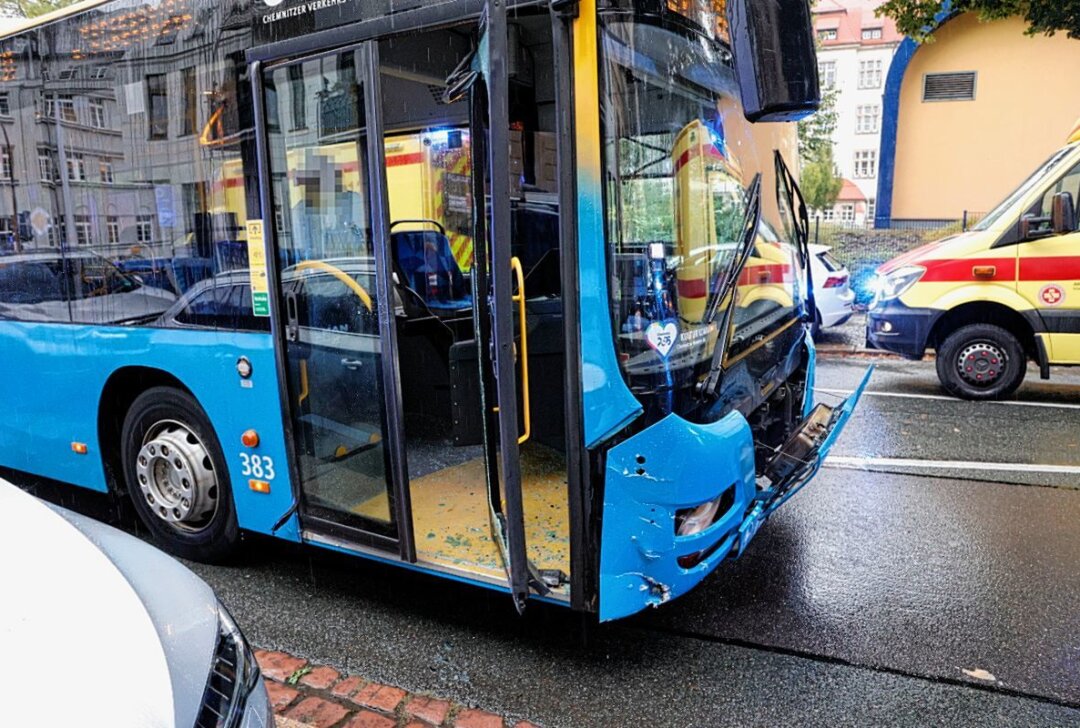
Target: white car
point(832, 288)
point(133, 637)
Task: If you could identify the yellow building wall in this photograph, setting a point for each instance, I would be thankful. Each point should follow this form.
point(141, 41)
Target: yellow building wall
point(953, 156)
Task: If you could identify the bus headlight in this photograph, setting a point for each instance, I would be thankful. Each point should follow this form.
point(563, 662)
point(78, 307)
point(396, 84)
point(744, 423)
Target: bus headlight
point(895, 284)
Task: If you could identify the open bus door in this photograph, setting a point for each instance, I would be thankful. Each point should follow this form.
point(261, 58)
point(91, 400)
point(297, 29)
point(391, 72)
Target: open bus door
point(348, 303)
point(494, 284)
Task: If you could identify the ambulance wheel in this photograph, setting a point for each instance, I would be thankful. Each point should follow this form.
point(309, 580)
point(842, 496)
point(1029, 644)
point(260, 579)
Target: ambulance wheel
point(176, 476)
point(981, 361)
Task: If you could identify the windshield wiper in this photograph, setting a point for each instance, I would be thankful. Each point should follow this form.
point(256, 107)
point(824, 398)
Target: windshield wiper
point(727, 289)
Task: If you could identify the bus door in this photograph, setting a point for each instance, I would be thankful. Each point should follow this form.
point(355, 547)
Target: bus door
point(323, 183)
point(460, 327)
point(402, 337)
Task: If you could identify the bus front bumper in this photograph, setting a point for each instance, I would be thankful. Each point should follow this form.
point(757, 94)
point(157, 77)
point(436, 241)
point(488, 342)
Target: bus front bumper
point(680, 497)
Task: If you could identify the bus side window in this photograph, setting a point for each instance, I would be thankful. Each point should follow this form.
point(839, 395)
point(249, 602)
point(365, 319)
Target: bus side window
point(222, 307)
point(32, 290)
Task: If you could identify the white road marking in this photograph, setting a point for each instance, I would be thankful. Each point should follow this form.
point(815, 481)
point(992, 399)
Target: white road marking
point(943, 398)
point(855, 463)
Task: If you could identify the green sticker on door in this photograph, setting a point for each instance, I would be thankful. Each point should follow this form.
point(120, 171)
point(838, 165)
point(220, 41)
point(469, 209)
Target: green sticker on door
point(260, 284)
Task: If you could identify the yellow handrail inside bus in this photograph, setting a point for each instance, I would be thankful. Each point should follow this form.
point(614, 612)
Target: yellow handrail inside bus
point(303, 382)
point(340, 275)
point(520, 300)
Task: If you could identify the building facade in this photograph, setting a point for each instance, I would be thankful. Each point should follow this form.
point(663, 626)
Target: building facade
point(855, 51)
point(971, 115)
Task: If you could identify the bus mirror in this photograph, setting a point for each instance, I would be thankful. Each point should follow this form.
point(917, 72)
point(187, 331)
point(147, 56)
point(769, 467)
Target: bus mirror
point(775, 58)
point(1063, 213)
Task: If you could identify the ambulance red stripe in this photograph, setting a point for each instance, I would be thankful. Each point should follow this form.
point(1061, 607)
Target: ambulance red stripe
point(1051, 268)
point(958, 270)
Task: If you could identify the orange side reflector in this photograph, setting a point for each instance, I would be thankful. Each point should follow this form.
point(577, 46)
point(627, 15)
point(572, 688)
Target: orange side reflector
point(259, 486)
point(79, 448)
point(984, 271)
point(250, 438)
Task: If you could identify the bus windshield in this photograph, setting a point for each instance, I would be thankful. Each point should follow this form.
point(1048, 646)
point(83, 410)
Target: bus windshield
point(676, 194)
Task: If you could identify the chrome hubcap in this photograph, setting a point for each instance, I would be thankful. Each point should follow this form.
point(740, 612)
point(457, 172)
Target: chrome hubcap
point(981, 364)
point(176, 476)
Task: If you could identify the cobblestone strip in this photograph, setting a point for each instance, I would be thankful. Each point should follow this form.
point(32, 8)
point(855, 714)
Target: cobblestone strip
point(305, 695)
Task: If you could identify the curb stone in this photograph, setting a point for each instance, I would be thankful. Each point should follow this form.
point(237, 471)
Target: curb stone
point(335, 699)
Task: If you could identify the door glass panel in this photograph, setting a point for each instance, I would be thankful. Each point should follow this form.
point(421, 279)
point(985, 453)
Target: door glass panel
point(436, 158)
point(325, 251)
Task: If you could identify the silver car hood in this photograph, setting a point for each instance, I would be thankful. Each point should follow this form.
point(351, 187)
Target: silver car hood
point(127, 630)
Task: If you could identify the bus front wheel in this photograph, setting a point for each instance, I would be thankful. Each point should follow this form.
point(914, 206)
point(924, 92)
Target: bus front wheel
point(981, 362)
point(176, 475)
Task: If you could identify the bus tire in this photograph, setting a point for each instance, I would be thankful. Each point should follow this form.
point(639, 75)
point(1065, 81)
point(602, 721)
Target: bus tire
point(177, 477)
point(981, 362)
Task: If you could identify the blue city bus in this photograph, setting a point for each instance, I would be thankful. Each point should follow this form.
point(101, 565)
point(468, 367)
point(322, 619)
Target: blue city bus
point(510, 292)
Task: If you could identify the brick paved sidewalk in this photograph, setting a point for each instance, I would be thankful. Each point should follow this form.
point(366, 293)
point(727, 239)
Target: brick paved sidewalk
point(306, 695)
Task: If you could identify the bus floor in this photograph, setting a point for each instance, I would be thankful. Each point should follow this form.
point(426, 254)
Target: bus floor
point(451, 522)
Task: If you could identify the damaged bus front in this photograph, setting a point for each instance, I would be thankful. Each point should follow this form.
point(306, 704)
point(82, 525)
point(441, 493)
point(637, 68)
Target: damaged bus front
point(699, 410)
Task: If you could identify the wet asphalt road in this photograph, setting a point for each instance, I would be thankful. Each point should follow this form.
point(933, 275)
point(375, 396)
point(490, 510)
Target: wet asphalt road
point(861, 602)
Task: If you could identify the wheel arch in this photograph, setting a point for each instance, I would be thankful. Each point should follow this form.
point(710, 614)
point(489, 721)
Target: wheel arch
point(984, 312)
point(120, 391)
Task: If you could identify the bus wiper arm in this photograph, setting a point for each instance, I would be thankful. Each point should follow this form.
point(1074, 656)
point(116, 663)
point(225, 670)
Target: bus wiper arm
point(729, 275)
point(746, 247)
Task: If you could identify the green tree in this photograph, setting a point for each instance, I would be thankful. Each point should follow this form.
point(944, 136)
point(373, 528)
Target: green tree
point(916, 18)
point(816, 131)
point(31, 8)
point(820, 184)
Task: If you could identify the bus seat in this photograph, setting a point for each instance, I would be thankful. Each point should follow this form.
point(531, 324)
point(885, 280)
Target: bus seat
point(425, 264)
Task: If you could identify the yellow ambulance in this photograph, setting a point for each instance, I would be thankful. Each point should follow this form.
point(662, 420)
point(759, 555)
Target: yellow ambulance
point(993, 298)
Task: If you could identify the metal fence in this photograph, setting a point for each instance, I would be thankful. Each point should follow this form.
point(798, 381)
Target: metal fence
point(864, 248)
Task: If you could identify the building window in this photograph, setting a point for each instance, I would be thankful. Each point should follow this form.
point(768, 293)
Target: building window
point(99, 72)
point(5, 104)
point(868, 119)
point(46, 168)
point(870, 74)
point(865, 163)
point(190, 98)
point(871, 33)
point(871, 210)
point(112, 229)
point(83, 230)
point(827, 34)
point(144, 228)
point(949, 86)
point(105, 169)
point(158, 106)
point(827, 73)
point(97, 113)
point(847, 213)
point(76, 167)
point(827, 215)
point(66, 107)
point(7, 154)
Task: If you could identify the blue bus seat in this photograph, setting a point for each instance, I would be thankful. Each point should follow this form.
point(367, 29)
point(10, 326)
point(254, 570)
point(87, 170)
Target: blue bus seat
point(425, 261)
